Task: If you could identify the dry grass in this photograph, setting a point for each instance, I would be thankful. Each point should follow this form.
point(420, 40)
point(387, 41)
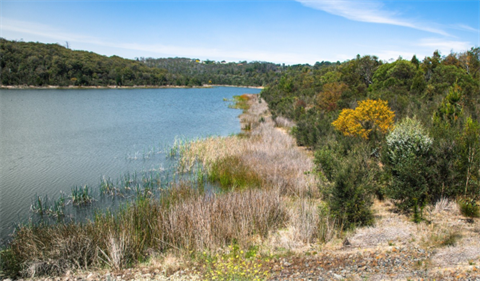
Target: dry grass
point(271, 153)
point(283, 122)
point(387, 232)
point(466, 252)
point(308, 224)
point(444, 206)
point(214, 221)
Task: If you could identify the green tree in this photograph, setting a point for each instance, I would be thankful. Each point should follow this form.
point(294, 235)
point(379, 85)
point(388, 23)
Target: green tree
point(469, 156)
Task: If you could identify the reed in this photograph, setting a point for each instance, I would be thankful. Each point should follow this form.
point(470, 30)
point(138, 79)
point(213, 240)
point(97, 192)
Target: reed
point(45, 206)
point(81, 195)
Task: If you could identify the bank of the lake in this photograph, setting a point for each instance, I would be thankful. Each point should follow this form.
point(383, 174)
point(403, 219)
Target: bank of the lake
point(269, 224)
point(31, 87)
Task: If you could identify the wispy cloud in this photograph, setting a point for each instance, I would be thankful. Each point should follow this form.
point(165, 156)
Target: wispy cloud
point(367, 11)
point(44, 30)
point(465, 27)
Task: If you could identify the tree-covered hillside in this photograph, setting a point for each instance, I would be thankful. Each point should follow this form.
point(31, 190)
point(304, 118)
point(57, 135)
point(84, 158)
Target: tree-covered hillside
point(38, 64)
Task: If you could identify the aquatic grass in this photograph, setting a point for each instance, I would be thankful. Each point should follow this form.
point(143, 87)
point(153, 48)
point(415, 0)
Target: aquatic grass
point(39, 205)
point(48, 207)
point(107, 187)
point(81, 195)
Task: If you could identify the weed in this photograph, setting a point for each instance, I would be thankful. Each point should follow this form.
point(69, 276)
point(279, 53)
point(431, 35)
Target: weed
point(442, 237)
point(235, 265)
point(469, 207)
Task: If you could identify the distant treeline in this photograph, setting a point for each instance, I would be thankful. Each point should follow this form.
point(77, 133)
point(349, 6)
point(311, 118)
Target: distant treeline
point(38, 64)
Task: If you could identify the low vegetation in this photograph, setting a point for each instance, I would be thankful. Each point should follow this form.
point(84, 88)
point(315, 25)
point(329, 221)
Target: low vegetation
point(385, 185)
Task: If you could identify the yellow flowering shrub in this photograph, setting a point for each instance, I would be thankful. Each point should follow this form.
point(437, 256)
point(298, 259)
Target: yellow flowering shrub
point(369, 116)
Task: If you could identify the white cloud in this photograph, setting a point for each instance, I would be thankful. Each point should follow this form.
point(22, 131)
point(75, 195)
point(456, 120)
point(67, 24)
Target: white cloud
point(367, 11)
point(390, 54)
point(444, 46)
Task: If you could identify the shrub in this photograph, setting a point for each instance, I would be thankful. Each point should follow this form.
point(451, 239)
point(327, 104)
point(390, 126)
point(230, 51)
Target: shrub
point(408, 148)
point(369, 118)
point(351, 193)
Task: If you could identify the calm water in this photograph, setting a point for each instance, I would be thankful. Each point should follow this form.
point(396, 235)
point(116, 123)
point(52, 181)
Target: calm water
point(52, 140)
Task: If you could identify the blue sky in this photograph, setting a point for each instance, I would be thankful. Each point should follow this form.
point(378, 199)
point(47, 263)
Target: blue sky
point(287, 31)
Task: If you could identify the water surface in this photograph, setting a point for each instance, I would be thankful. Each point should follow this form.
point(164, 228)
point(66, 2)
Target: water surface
point(52, 140)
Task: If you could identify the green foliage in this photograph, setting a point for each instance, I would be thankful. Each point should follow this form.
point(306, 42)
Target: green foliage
point(325, 159)
point(407, 155)
point(397, 76)
point(450, 111)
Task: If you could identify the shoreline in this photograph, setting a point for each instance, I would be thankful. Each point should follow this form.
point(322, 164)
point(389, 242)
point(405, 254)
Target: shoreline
point(24, 87)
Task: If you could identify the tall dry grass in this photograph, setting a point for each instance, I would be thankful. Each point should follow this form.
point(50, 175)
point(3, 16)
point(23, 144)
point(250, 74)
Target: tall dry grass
point(186, 221)
point(269, 152)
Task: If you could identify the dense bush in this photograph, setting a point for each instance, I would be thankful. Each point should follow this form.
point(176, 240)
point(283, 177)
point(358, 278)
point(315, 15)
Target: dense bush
point(407, 159)
point(353, 180)
point(442, 92)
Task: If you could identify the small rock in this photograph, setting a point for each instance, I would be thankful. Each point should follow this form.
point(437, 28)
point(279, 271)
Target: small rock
point(338, 277)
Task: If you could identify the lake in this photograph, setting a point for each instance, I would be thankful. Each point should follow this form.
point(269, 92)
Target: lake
point(53, 140)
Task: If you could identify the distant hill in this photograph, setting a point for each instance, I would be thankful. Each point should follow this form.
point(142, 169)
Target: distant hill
point(39, 64)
